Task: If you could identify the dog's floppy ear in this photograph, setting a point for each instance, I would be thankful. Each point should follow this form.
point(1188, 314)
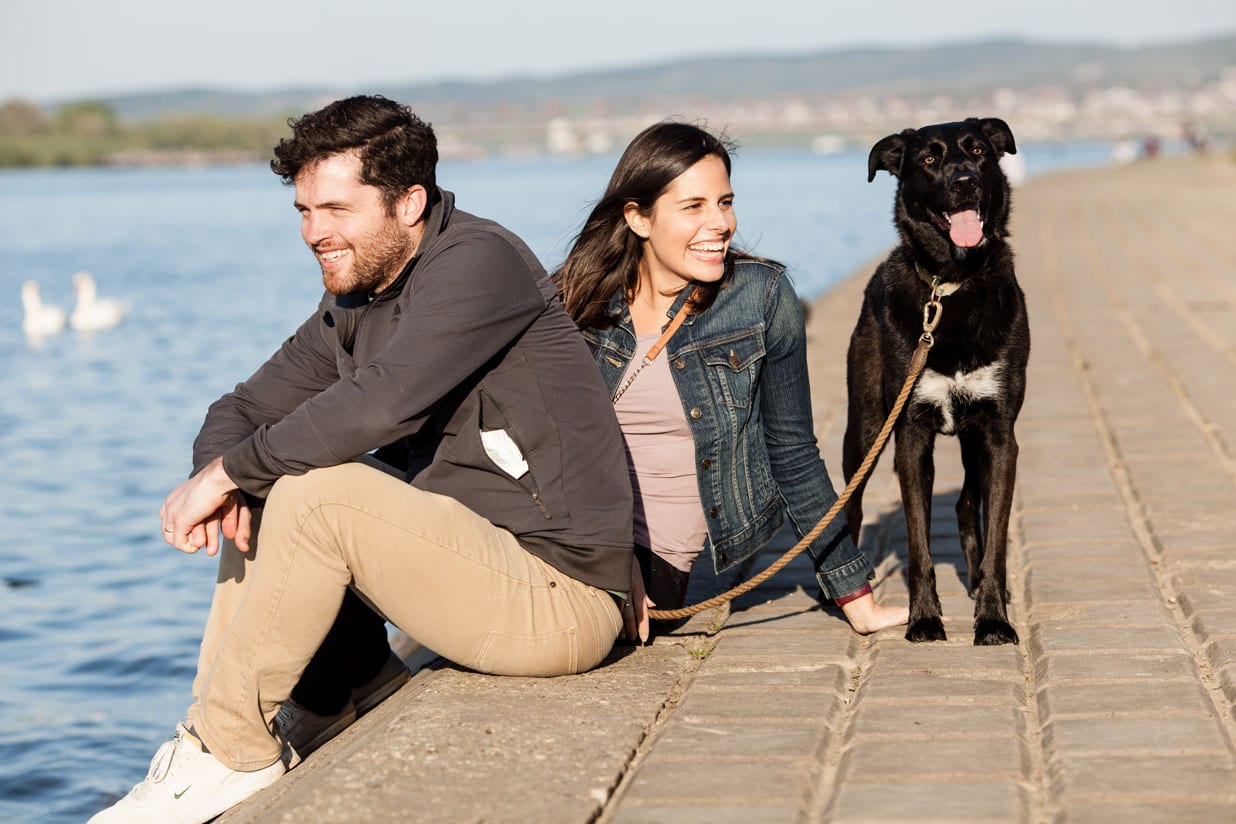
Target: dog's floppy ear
point(998, 132)
point(887, 155)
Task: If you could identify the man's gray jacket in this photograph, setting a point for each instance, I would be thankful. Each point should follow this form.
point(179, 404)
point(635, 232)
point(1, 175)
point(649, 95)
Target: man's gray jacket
point(466, 369)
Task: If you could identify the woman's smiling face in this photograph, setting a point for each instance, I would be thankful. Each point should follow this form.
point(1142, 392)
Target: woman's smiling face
point(688, 232)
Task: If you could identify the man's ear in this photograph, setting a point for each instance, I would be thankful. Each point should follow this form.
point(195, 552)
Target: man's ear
point(411, 207)
point(638, 224)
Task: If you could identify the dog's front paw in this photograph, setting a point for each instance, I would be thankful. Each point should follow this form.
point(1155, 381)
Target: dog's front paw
point(926, 629)
point(989, 632)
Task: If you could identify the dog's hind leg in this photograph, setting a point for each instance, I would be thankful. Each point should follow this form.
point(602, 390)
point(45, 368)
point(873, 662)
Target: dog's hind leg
point(916, 474)
point(969, 503)
point(999, 453)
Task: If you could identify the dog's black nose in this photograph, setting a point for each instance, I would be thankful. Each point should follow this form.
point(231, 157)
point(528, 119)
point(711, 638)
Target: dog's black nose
point(964, 184)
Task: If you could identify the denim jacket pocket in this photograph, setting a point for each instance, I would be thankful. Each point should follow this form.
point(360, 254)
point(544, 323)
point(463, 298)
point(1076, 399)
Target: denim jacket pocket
point(734, 363)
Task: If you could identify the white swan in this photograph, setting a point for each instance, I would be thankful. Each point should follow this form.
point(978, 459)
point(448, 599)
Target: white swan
point(40, 319)
point(92, 312)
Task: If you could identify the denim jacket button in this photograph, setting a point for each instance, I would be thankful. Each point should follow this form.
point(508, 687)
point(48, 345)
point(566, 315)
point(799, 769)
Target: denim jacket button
point(712, 513)
point(696, 413)
point(705, 464)
point(679, 363)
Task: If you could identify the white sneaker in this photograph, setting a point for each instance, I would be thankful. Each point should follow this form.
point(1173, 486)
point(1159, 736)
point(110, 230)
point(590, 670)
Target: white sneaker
point(186, 786)
point(305, 730)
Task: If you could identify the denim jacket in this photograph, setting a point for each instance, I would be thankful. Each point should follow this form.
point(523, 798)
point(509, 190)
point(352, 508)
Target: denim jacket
point(740, 368)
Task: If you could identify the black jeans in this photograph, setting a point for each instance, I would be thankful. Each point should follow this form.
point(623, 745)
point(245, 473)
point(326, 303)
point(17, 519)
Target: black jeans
point(665, 585)
point(353, 652)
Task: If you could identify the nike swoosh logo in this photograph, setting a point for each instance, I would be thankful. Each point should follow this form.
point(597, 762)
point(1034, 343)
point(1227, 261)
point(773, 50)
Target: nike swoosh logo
point(182, 792)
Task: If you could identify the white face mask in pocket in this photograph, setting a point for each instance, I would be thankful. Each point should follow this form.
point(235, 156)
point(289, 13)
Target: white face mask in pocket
point(504, 452)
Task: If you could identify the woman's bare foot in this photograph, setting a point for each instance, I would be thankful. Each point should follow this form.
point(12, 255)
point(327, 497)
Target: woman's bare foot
point(866, 616)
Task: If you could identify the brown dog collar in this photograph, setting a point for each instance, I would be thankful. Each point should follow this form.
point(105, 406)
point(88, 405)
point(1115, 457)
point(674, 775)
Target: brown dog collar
point(939, 288)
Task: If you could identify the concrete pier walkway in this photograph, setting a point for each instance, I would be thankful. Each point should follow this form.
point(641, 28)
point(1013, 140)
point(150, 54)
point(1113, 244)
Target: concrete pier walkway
point(1116, 706)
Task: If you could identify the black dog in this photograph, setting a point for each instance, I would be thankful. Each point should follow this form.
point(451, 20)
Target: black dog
point(951, 212)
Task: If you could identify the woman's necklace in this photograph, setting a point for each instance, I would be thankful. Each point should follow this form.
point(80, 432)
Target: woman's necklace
point(656, 348)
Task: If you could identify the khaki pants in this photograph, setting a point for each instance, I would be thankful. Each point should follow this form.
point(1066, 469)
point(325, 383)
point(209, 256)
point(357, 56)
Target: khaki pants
point(448, 577)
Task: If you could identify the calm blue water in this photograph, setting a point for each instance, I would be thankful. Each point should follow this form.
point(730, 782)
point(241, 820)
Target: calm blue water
point(99, 620)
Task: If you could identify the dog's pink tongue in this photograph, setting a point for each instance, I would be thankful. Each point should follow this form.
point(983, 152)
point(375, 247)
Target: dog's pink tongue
point(965, 229)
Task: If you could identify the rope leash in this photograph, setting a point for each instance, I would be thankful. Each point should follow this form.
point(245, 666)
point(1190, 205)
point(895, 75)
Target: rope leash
point(932, 312)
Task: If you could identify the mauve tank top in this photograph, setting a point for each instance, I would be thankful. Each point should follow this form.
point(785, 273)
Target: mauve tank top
point(669, 519)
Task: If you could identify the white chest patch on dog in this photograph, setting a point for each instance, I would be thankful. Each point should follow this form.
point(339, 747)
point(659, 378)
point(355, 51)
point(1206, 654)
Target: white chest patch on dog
point(944, 392)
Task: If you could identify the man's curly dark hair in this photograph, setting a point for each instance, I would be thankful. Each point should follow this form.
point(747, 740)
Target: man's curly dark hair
point(397, 149)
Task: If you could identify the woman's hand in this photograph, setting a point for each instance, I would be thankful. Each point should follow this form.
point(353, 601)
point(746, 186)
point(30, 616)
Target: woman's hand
point(635, 621)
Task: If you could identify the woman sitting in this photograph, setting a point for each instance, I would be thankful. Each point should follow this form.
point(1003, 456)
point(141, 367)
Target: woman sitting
point(704, 351)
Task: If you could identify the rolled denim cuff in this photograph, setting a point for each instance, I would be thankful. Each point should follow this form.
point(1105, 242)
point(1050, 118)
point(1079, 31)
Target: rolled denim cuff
point(849, 577)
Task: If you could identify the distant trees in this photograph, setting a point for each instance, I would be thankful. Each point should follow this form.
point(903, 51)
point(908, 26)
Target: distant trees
point(90, 133)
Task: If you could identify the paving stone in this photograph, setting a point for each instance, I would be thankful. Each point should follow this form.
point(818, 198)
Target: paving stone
point(799, 647)
point(1221, 651)
point(806, 703)
point(1227, 681)
point(1100, 525)
point(720, 781)
point(1145, 812)
point(1187, 778)
point(1176, 521)
point(1046, 639)
point(1176, 473)
point(1201, 546)
point(1156, 734)
point(951, 577)
point(1218, 577)
point(1081, 477)
point(1034, 497)
point(700, 812)
point(1104, 612)
point(1192, 506)
point(1142, 697)
point(1147, 442)
point(1213, 623)
point(956, 604)
point(932, 720)
point(1080, 590)
point(881, 760)
point(925, 688)
point(1207, 599)
point(928, 802)
point(763, 621)
point(683, 738)
point(1126, 552)
point(1115, 666)
point(958, 656)
point(829, 676)
point(1054, 570)
point(1195, 534)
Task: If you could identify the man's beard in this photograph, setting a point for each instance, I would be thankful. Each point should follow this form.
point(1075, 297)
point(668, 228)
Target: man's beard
point(375, 262)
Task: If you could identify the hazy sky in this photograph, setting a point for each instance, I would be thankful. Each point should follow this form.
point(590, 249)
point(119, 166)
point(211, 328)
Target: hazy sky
point(56, 49)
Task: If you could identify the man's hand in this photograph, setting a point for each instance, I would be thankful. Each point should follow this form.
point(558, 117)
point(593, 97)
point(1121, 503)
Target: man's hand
point(235, 521)
point(196, 510)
